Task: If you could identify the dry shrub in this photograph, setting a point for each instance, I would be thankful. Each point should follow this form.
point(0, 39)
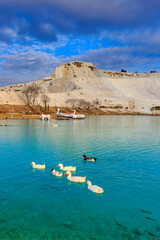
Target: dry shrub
point(92, 68)
point(80, 103)
point(96, 102)
point(77, 64)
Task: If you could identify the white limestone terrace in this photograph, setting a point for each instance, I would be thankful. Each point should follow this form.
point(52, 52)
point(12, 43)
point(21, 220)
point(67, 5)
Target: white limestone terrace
point(81, 80)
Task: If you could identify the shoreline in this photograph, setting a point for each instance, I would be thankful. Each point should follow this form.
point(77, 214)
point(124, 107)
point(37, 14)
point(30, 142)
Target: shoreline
point(34, 112)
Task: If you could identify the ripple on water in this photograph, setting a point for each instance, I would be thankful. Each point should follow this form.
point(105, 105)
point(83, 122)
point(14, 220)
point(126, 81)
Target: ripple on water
point(36, 205)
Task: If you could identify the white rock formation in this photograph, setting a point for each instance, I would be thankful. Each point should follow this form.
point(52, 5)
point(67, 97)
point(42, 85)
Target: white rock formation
point(81, 80)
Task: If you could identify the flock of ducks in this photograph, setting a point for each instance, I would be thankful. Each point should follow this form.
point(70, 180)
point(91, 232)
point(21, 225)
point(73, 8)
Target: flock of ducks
point(68, 170)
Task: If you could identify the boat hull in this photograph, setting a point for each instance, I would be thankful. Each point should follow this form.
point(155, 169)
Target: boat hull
point(74, 116)
point(45, 117)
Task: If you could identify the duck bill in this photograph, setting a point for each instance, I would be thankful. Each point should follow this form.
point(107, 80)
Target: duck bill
point(57, 166)
point(65, 173)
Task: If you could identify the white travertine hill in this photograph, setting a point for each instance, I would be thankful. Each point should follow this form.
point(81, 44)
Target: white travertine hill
point(81, 80)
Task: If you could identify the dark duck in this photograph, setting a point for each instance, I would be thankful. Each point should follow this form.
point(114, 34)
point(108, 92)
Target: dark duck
point(89, 158)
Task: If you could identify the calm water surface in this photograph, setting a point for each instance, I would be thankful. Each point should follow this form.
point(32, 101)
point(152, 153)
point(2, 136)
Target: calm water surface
point(35, 205)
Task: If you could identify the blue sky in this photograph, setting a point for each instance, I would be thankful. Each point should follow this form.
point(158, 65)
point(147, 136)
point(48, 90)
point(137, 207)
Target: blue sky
point(38, 35)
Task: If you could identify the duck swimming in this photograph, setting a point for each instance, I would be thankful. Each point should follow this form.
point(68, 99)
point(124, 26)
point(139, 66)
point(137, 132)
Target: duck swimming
point(56, 173)
point(75, 178)
point(67, 168)
point(38, 166)
point(94, 188)
point(89, 159)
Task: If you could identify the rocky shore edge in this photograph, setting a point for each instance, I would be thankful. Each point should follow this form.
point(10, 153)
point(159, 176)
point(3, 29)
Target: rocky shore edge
point(34, 112)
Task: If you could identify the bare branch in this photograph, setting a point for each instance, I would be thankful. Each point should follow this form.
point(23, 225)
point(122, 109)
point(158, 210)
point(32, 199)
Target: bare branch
point(31, 92)
point(45, 99)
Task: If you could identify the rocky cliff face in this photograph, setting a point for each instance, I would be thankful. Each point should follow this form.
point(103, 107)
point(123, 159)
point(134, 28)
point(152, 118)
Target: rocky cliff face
point(81, 81)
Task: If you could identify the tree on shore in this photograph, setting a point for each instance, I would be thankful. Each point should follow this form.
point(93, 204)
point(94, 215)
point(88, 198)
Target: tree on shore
point(45, 99)
point(96, 102)
point(31, 92)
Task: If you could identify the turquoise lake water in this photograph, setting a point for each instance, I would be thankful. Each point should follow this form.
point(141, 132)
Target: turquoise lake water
point(35, 205)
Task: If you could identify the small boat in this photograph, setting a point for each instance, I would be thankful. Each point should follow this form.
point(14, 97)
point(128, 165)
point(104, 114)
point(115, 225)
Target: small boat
point(73, 115)
point(45, 117)
point(78, 116)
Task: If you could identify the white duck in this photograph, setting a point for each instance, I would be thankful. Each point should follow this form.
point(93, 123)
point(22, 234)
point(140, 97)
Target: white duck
point(56, 173)
point(68, 168)
point(94, 188)
point(75, 178)
point(38, 166)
